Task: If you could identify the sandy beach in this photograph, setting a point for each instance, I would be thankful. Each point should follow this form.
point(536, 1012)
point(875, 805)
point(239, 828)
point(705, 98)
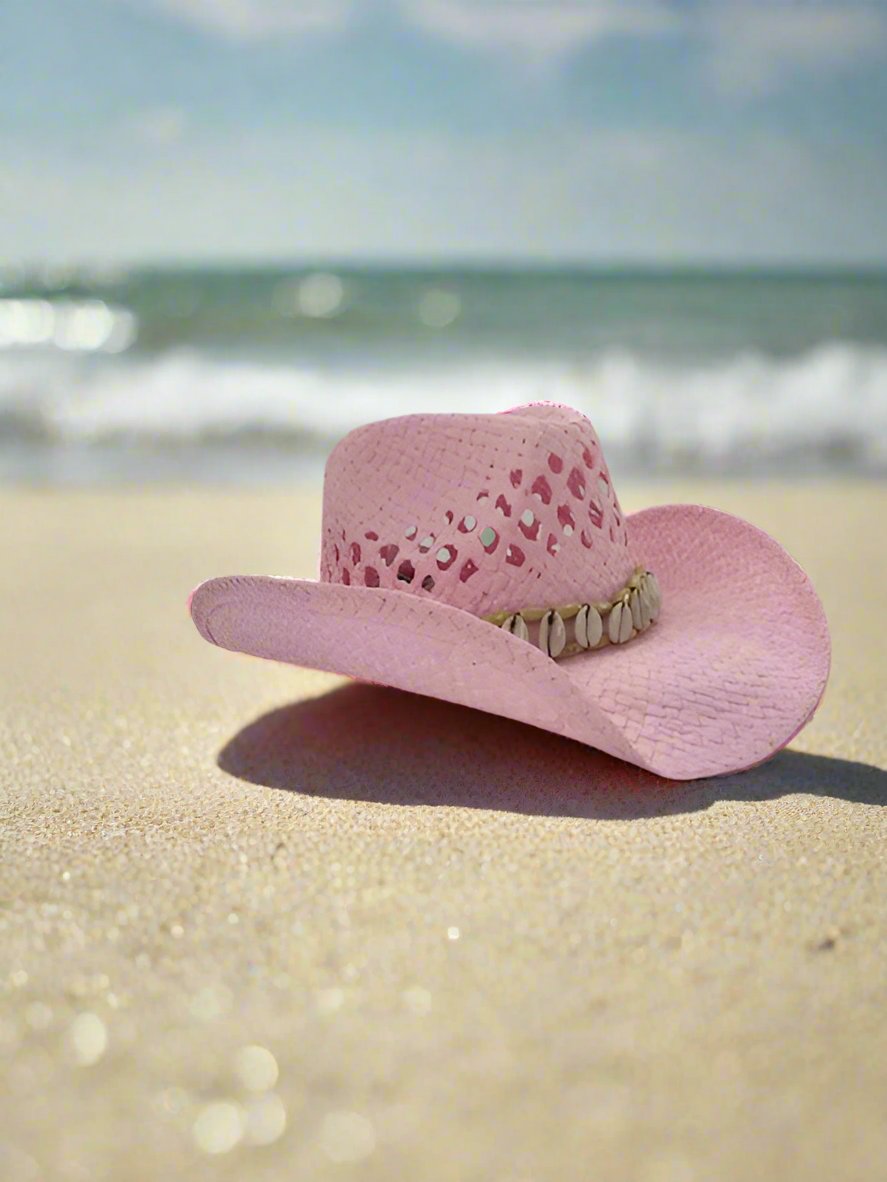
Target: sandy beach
point(257, 923)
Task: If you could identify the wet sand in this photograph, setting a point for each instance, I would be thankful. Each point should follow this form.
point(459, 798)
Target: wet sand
point(467, 949)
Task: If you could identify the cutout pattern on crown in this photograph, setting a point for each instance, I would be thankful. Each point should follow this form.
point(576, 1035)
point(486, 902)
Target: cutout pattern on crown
point(484, 512)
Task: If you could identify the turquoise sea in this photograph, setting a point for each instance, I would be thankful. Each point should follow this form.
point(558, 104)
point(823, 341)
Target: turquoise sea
point(244, 374)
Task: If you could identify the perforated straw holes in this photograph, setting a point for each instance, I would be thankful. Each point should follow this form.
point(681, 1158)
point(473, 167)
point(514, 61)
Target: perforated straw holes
point(542, 489)
point(529, 525)
point(409, 572)
point(564, 486)
point(566, 520)
point(576, 483)
point(558, 515)
point(489, 539)
point(421, 548)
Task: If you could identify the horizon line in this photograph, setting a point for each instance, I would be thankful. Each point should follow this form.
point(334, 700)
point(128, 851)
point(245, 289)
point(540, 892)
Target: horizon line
point(476, 263)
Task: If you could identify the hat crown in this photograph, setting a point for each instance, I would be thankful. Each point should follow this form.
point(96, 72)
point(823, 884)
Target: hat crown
point(483, 512)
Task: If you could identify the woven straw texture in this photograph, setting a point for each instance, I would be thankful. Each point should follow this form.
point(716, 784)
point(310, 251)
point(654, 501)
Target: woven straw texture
point(734, 668)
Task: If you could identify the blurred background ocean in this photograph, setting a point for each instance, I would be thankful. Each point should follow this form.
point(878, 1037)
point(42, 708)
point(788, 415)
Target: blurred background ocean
point(232, 231)
point(239, 374)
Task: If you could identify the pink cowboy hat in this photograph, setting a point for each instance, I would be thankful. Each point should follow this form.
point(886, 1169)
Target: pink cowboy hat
point(484, 559)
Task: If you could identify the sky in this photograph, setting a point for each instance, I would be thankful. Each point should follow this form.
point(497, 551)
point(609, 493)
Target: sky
point(599, 131)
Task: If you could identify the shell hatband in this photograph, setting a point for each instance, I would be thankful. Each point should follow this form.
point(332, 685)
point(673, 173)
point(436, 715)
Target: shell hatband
point(595, 625)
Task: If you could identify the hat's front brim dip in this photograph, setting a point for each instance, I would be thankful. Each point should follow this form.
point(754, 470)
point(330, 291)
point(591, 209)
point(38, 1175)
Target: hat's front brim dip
point(733, 669)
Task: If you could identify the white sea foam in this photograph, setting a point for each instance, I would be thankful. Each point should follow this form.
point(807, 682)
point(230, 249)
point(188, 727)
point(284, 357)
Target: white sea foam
point(823, 409)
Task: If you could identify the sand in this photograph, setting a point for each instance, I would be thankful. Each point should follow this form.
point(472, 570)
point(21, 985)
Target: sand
point(467, 950)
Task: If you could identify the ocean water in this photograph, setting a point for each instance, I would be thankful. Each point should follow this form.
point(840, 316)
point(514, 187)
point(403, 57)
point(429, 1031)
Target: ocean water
point(252, 374)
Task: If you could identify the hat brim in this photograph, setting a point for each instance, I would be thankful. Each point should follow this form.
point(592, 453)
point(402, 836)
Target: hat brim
point(733, 669)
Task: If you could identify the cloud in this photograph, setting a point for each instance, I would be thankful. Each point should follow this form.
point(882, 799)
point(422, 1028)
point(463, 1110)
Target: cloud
point(538, 30)
point(747, 48)
point(754, 50)
point(258, 20)
point(533, 29)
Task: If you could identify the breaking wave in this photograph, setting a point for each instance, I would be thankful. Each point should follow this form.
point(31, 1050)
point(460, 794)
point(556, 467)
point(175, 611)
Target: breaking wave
point(823, 410)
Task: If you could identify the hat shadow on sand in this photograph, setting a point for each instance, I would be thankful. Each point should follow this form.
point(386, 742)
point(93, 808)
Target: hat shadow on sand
point(370, 743)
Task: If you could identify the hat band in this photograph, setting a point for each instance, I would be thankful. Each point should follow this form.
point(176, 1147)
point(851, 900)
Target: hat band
point(593, 625)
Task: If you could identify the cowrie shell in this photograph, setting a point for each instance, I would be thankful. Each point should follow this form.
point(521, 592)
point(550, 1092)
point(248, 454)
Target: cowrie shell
point(589, 626)
point(580, 626)
point(635, 605)
point(646, 598)
point(516, 625)
point(552, 634)
point(655, 596)
point(625, 628)
point(614, 623)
